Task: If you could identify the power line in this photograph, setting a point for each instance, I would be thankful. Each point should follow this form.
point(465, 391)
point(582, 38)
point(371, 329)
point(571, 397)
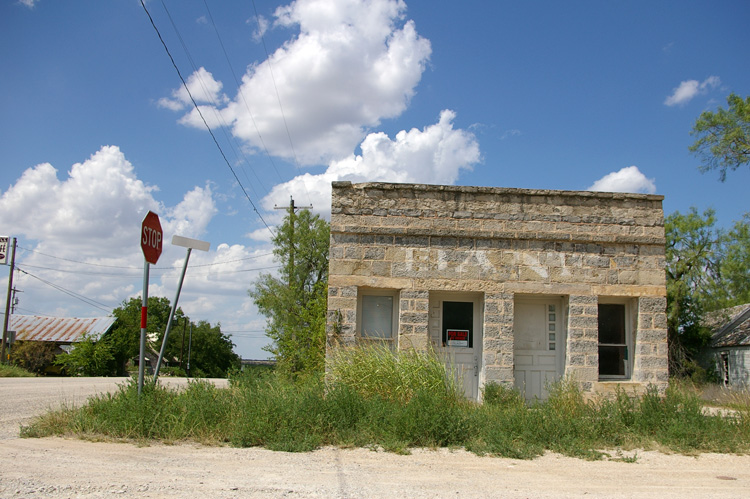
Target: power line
point(197, 108)
point(88, 301)
point(77, 261)
point(131, 276)
point(242, 94)
point(278, 98)
point(209, 96)
point(34, 312)
point(140, 268)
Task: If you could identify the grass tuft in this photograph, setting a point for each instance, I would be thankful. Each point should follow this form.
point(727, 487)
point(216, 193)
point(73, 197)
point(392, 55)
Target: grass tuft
point(375, 370)
point(10, 371)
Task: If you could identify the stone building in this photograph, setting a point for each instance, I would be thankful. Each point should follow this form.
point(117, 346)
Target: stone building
point(514, 286)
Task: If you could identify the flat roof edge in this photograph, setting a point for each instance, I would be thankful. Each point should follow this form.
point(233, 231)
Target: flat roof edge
point(494, 190)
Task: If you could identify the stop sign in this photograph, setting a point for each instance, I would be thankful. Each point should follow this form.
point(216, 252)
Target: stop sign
point(151, 237)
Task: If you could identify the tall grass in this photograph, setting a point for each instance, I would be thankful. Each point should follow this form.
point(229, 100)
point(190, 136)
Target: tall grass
point(395, 401)
point(9, 371)
point(375, 370)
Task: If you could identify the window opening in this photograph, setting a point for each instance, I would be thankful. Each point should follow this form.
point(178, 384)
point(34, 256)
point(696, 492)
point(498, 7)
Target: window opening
point(613, 347)
point(377, 314)
point(458, 324)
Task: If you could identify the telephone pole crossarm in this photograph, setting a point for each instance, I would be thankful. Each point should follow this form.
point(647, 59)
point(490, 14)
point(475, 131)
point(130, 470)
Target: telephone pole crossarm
point(292, 210)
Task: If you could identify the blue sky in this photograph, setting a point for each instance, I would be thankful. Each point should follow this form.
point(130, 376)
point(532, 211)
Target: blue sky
point(96, 128)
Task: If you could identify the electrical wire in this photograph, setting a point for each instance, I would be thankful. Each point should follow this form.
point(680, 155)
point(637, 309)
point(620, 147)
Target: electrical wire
point(33, 312)
point(215, 106)
point(197, 108)
point(242, 94)
point(140, 268)
point(88, 301)
point(278, 98)
point(163, 269)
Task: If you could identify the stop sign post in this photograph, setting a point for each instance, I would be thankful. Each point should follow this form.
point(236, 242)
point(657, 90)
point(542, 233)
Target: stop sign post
point(151, 245)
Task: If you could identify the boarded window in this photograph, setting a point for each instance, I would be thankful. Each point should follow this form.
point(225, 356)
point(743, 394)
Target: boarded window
point(377, 316)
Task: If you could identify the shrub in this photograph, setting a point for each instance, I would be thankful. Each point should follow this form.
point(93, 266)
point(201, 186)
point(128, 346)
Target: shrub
point(172, 371)
point(34, 356)
point(501, 395)
point(88, 358)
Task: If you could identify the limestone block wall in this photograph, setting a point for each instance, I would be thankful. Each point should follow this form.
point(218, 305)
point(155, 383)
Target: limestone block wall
point(502, 242)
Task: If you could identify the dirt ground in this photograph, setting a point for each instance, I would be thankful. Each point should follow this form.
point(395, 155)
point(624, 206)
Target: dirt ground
point(55, 467)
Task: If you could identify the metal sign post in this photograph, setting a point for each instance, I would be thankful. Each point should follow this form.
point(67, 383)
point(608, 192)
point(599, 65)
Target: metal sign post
point(189, 244)
point(144, 322)
point(151, 238)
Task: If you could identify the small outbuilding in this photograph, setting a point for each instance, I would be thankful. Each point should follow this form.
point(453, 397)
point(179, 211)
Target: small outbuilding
point(729, 350)
point(61, 331)
point(514, 286)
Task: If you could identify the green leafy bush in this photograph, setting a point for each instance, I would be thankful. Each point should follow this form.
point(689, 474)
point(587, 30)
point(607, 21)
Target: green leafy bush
point(34, 356)
point(88, 357)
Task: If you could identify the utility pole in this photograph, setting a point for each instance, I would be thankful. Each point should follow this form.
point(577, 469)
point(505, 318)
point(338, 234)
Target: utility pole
point(7, 304)
point(14, 303)
point(190, 344)
point(182, 348)
point(292, 210)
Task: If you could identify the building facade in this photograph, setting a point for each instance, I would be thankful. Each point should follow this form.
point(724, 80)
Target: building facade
point(514, 286)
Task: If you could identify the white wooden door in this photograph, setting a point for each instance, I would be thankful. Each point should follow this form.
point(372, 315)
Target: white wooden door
point(537, 346)
point(456, 330)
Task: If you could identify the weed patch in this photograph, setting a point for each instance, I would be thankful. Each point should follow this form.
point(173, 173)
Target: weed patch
point(390, 410)
point(10, 371)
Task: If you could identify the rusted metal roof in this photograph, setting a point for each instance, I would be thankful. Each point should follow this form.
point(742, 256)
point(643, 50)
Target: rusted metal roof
point(731, 327)
point(57, 329)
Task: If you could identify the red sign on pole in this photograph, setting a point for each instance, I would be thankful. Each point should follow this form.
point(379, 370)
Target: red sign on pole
point(151, 237)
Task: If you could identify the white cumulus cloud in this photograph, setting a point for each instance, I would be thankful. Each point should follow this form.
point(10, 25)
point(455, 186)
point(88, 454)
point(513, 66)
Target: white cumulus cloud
point(433, 155)
point(88, 209)
point(81, 231)
point(352, 64)
point(628, 179)
point(689, 89)
point(202, 86)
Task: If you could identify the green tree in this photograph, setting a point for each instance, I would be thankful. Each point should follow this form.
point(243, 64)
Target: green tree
point(88, 357)
point(211, 353)
point(732, 284)
point(723, 137)
point(691, 251)
point(707, 269)
point(295, 303)
point(125, 335)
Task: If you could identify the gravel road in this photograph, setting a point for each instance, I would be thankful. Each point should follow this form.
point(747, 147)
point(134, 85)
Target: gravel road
point(56, 467)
